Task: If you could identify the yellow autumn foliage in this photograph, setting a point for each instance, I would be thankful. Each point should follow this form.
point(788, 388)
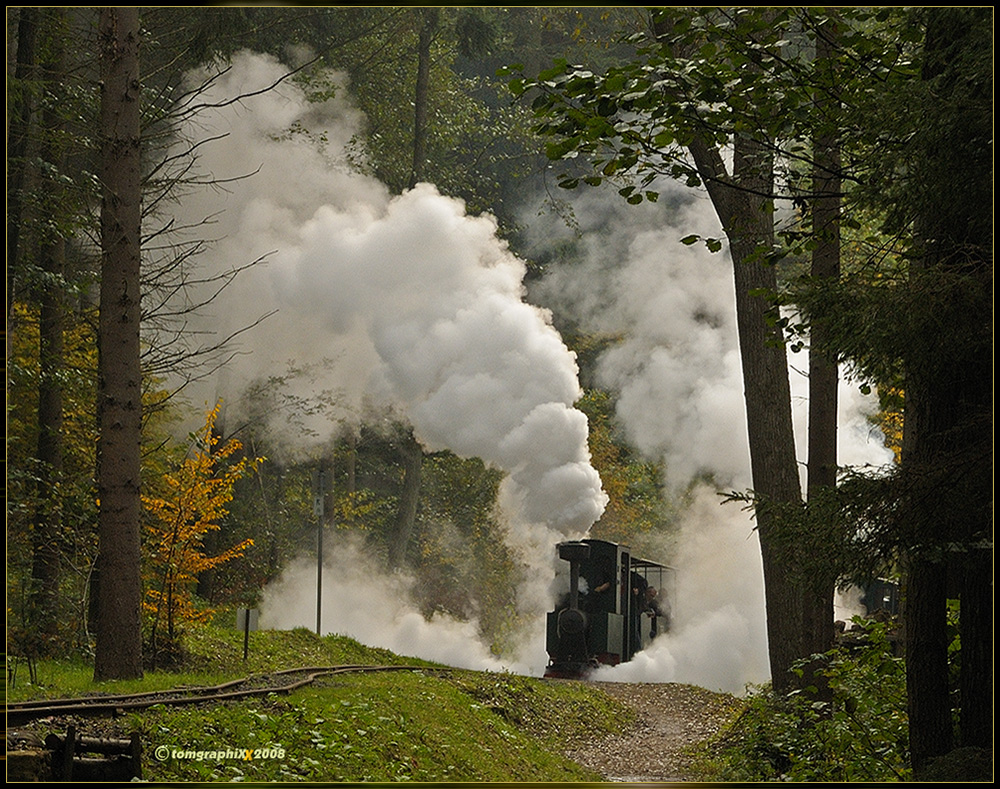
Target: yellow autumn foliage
point(890, 421)
point(194, 501)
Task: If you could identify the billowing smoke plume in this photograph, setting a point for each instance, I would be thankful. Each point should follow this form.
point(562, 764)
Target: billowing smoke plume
point(717, 638)
point(407, 301)
point(475, 369)
point(402, 303)
point(676, 371)
point(677, 375)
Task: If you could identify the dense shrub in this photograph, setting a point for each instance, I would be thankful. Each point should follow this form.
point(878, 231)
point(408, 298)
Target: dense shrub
point(859, 735)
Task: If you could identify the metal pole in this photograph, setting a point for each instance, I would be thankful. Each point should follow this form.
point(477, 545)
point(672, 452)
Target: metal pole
point(319, 493)
point(319, 574)
point(246, 634)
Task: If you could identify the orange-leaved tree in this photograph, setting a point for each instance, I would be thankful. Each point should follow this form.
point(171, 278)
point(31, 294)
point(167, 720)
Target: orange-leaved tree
point(193, 502)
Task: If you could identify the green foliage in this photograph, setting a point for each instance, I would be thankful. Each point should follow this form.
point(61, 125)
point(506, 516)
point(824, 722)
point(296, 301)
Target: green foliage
point(464, 566)
point(860, 735)
point(711, 74)
point(461, 158)
point(214, 655)
point(218, 647)
point(848, 534)
point(74, 491)
point(273, 507)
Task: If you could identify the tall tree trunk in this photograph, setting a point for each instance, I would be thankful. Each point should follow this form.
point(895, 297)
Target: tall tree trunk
point(744, 205)
point(750, 228)
point(47, 531)
point(947, 449)
point(926, 648)
point(411, 453)
point(429, 22)
point(351, 462)
point(976, 625)
point(823, 373)
point(119, 635)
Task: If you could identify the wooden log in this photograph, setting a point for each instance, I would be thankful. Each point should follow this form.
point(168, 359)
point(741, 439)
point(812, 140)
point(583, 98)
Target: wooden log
point(105, 745)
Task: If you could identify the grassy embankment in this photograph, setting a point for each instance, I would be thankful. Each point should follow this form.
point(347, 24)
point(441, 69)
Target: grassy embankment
point(400, 725)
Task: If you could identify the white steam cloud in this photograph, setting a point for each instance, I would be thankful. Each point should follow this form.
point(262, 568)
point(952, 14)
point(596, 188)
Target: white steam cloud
point(717, 637)
point(405, 301)
point(475, 368)
point(676, 370)
point(359, 599)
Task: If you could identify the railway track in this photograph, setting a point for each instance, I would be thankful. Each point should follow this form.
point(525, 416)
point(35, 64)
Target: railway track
point(283, 681)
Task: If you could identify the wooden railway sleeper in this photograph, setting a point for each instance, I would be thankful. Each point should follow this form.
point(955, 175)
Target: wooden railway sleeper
point(76, 757)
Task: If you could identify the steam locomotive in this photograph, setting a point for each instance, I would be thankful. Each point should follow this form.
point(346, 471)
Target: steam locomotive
point(615, 605)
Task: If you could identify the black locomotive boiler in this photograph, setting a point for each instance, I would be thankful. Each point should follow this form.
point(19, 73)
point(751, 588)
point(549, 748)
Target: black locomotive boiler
point(615, 605)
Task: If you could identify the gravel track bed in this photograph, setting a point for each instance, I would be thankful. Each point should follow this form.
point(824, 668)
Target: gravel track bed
point(671, 718)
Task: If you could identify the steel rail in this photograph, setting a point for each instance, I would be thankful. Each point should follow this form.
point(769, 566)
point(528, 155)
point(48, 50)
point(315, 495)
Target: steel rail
point(21, 712)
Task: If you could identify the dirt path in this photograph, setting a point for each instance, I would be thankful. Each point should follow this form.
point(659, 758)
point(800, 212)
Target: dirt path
point(671, 718)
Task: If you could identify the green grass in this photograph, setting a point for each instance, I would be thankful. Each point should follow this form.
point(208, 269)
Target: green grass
point(57, 679)
point(215, 655)
point(403, 726)
point(392, 726)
